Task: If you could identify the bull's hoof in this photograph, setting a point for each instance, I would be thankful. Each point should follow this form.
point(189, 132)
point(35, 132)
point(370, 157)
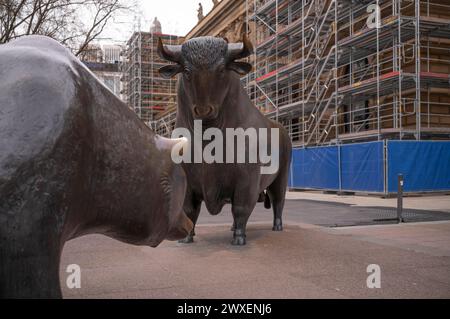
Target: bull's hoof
point(187, 240)
point(238, 241)
point(277, 225)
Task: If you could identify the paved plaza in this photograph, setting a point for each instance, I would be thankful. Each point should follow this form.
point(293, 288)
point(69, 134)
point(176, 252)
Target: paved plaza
point(316, 256)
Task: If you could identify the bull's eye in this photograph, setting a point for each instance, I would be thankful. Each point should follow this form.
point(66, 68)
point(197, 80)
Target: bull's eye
point(222, 72)
point(187, 74)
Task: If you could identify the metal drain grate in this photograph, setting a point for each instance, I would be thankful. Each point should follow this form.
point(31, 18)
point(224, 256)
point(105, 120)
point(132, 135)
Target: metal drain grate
point(412, 214)
point(360, 216)
point(332, 214)
point(388, 215)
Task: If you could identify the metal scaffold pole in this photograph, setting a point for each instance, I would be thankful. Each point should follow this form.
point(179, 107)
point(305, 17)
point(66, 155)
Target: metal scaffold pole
point(276, 59)
point(303, 74)
point(378, 26)
point(417, 69)
point(336, 82)
point(138, 92)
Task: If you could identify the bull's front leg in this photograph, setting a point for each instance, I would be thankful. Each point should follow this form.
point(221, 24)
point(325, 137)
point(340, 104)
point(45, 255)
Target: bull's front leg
point(241, 213)
point(242, 204)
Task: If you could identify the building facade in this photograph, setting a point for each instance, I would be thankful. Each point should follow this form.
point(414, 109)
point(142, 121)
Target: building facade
point(145, 91)
point(112, 53)
point(109, 74)
point(104, 62)
point(328, 72)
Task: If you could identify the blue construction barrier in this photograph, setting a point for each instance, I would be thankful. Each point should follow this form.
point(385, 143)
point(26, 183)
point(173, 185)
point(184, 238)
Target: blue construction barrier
point(373, 166)
point(425, 165)
point(362, 167)
point(315, 168)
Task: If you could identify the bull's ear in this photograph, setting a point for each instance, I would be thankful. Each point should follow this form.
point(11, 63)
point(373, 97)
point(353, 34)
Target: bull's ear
point(241, 68)
point(170, 70)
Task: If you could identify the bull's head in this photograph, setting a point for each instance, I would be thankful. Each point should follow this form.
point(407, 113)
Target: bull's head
point(208, 66)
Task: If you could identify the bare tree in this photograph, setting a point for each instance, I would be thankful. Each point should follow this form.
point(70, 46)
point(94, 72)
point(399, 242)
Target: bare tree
point(74, 23)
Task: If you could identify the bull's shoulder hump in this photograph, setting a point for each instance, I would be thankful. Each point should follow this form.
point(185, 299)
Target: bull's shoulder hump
point(36, 90)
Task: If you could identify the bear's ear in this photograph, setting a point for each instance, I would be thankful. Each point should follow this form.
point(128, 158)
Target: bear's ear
point(170, 70)
point(241, 68)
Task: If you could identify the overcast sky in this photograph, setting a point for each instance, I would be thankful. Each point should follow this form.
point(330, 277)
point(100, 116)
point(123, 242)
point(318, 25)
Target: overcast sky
point(176, 17)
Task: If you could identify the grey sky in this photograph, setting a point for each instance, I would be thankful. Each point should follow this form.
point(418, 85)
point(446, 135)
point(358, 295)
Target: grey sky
point(176, 17)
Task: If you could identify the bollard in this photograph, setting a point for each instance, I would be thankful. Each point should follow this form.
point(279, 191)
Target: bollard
point(400, 198)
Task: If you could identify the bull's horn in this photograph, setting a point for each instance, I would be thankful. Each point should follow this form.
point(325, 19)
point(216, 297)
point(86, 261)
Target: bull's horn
point(241, 50)
point(169, 52)
point(163, 143)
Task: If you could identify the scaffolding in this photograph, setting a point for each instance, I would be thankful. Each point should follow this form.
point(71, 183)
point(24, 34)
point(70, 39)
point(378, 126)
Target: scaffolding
point(330, 75)
point(146, 92)
point(342, 71)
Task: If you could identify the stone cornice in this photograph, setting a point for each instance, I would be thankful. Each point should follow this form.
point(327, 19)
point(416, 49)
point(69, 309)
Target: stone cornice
point(218, 18)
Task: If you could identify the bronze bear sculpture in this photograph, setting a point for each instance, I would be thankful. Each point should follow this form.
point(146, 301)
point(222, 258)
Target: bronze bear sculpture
point(74, 160)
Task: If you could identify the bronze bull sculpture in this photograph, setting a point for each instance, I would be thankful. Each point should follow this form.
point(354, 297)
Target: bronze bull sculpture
point(74, 160)
point(209, 89)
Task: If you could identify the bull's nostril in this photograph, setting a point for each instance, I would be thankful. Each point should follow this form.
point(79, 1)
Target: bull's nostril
point(203, 111)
